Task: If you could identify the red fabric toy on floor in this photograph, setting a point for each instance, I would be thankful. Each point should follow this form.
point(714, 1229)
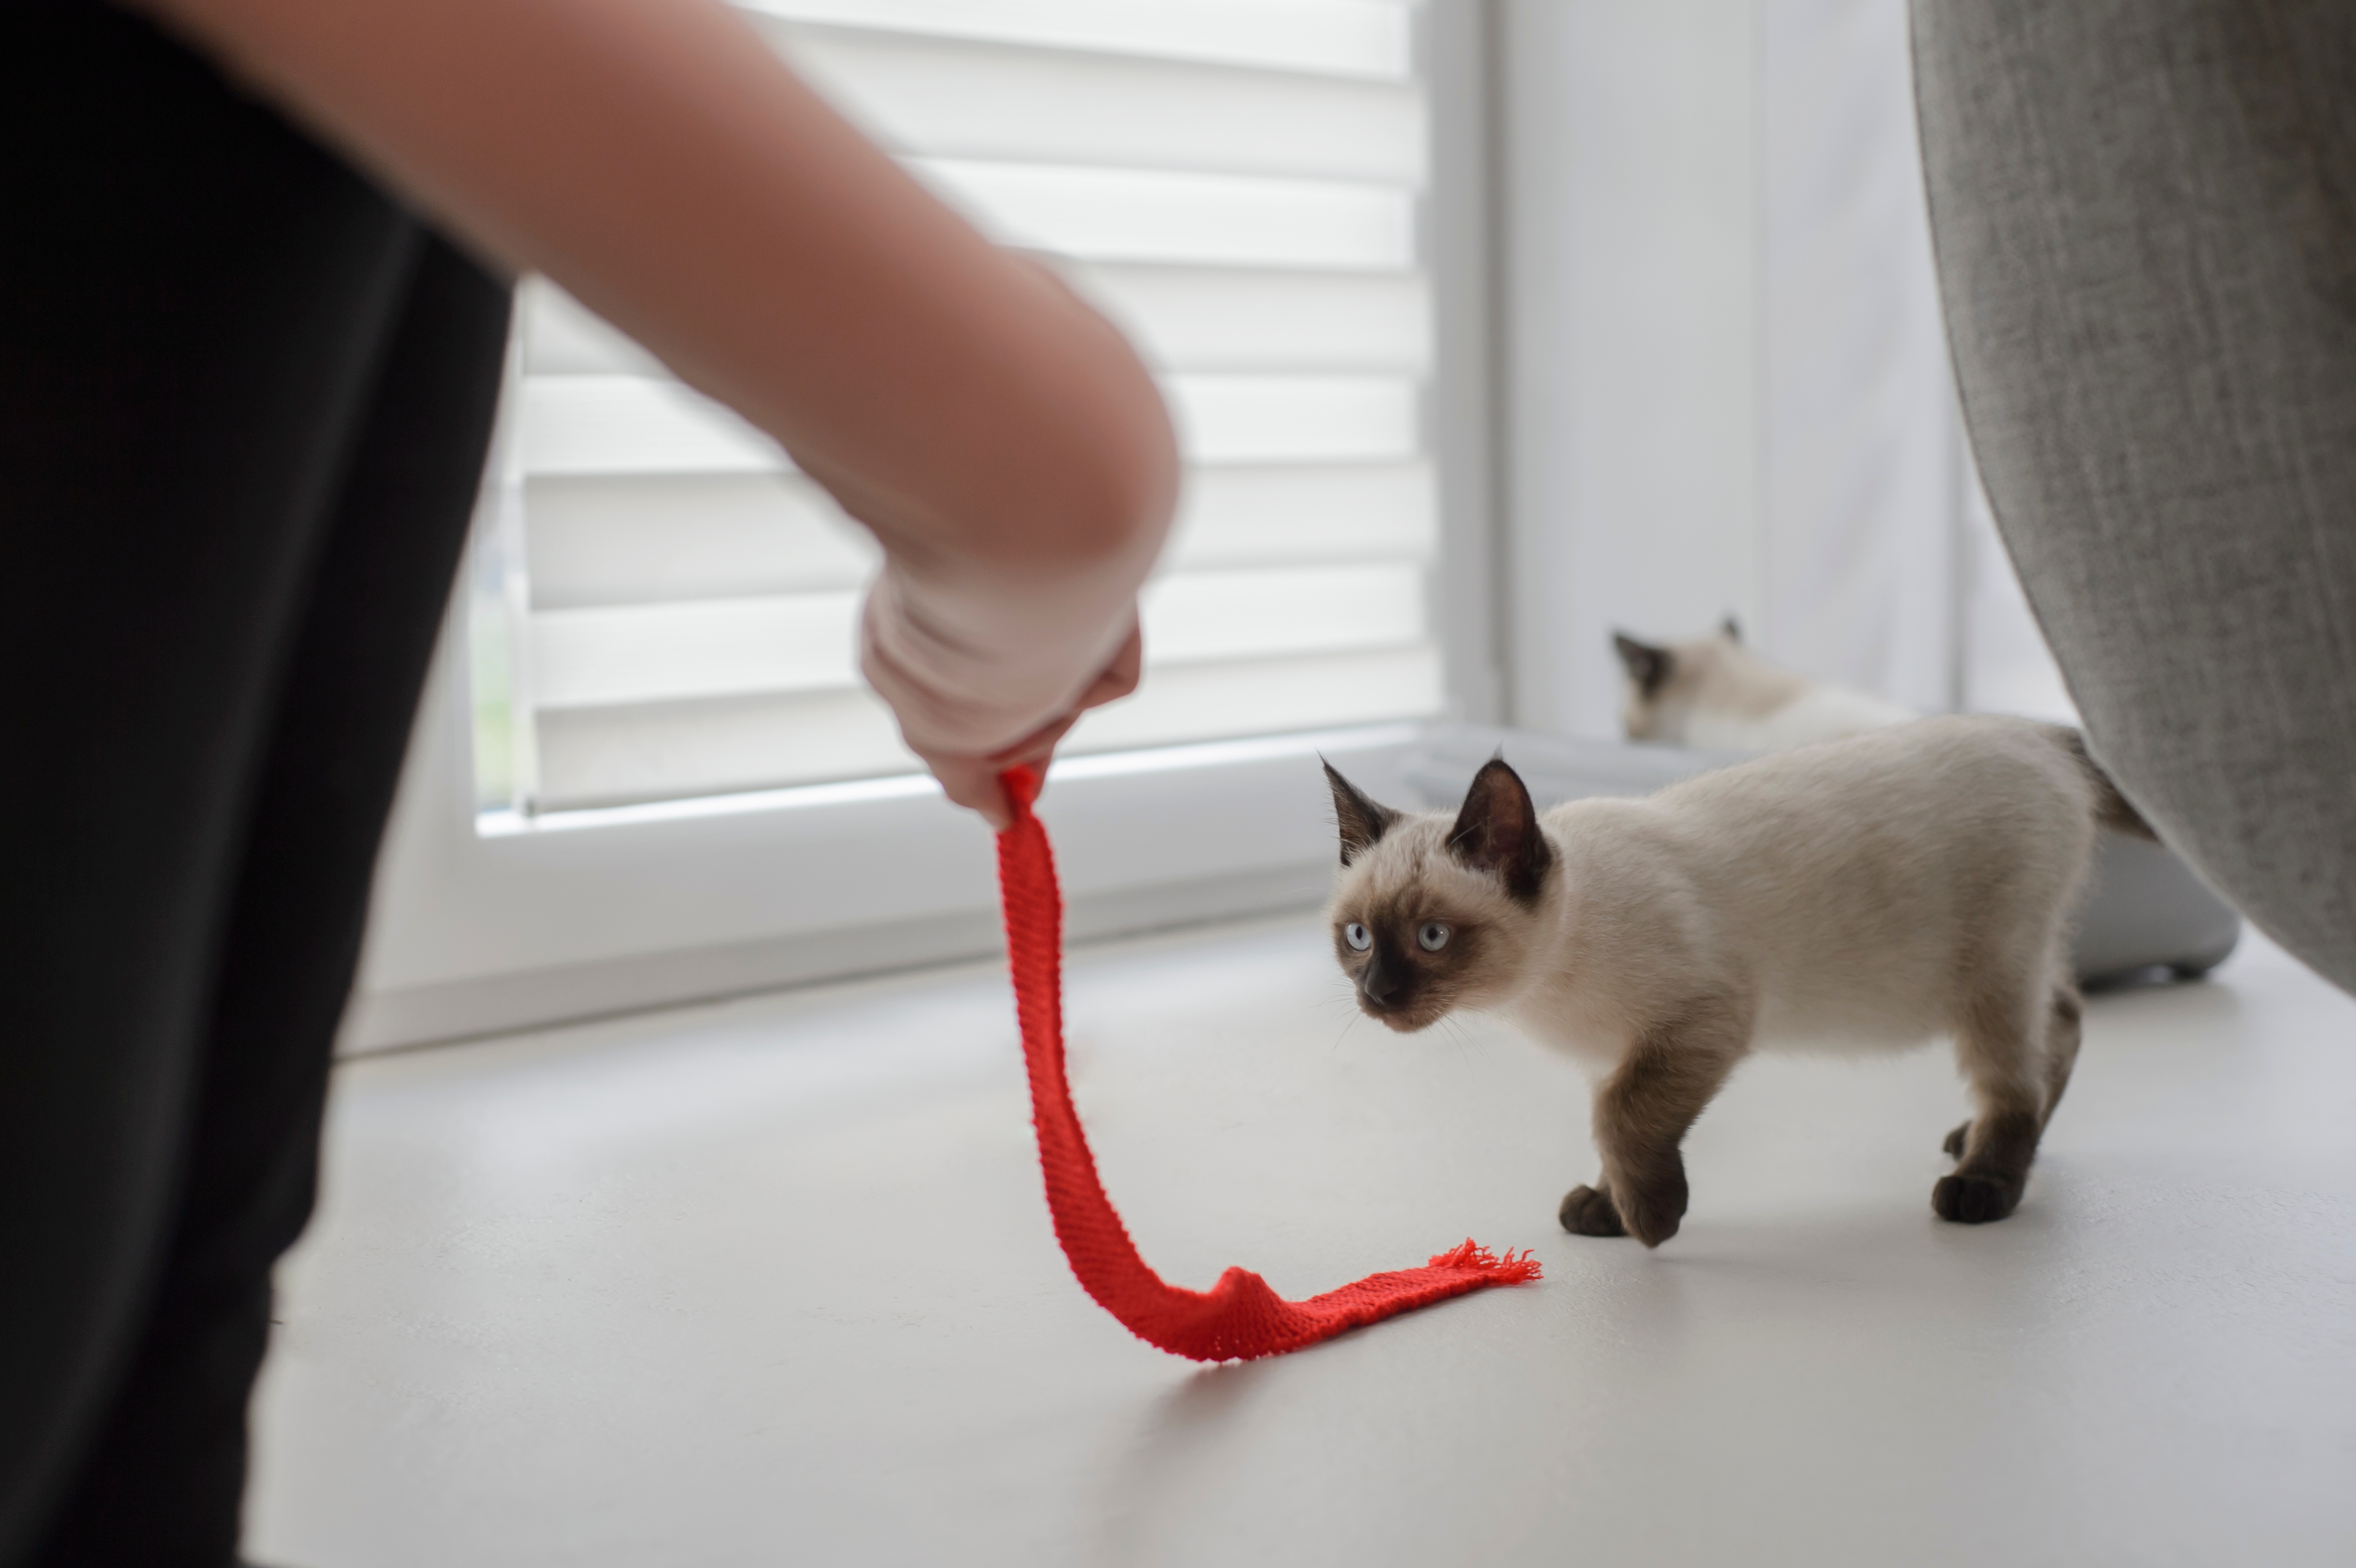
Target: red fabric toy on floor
point(1240, 1318)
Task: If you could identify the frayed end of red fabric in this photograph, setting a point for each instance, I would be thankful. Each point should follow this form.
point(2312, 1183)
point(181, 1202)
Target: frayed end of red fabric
point(1512, 1268)
point(1240, 1318)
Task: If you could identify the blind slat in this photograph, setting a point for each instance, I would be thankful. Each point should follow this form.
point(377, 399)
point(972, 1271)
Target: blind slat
point(655, 537)
point(615, 654)
point(1219, 318)
point(609, 655)
point(1342, 37)
point(1266, 697)
point(1051, 106)
point(1236, 516)
point(1183, 319)
point(663, 751)
point(631, 424)
point(604, 757)
point(648, 538)
point(1195, 616)
point(1156, 215)
point(1257, 419)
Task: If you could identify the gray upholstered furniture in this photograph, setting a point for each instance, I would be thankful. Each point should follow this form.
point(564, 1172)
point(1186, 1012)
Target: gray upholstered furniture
point(2144, 214)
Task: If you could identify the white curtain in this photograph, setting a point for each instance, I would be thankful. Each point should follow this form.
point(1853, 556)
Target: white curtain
point(1728, 380)
point(1863, 463)
point(1879, 568)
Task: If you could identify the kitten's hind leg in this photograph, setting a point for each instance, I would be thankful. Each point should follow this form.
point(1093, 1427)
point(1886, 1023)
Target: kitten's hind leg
point(2062, 1029)
point(1642, 1113)
point(2002, 1041)
point(2062, 1036)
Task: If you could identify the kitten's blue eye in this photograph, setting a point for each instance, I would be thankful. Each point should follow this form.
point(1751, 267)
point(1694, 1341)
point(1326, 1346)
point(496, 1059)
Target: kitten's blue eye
point(1358, 937)
point(1431, 936)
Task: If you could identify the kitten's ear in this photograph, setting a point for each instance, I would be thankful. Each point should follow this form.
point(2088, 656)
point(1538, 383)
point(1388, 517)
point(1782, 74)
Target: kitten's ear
point(1648, 666)
point(1498, 830)
point(1733, 629)
point(1362, 819)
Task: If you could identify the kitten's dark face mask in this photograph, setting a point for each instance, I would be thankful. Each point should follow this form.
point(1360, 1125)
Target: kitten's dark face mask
point(1408, 965)
point(1412, 945)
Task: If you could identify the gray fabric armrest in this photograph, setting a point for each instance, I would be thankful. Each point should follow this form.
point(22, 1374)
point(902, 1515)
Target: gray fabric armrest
point(2147, 250)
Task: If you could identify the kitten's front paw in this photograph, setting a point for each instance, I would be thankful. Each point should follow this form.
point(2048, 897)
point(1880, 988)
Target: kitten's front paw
point(1955, 1143)
point(1588, 1212)
point(1973, 1199)
point(1652, 1210)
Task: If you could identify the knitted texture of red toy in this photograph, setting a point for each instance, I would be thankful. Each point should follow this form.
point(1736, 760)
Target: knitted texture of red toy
point(1239, 1319)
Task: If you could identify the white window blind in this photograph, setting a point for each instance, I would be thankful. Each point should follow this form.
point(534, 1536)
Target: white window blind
point(1237, 182)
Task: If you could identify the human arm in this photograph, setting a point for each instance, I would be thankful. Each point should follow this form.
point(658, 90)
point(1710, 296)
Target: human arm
point(654, 156)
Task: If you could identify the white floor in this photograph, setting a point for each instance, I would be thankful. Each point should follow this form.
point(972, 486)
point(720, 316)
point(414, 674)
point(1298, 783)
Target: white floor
point(772, 1283)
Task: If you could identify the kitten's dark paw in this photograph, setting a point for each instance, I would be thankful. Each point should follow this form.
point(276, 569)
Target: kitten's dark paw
point(1955, 1143)
point(1587, 1212)
point(1652, 1210)
point(1974, 1201)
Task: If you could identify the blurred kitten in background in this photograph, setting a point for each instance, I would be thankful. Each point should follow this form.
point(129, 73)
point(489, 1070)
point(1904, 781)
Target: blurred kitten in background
point(1716, 695)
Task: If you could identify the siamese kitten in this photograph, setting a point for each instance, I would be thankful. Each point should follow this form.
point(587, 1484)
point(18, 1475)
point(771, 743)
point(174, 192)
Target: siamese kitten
point(1717, 694)
point(1867, 893)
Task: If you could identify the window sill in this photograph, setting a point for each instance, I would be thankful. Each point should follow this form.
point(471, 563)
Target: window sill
point(493, 923)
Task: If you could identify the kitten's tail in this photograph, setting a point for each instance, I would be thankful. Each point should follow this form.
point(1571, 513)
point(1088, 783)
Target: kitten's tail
point(2112, 810)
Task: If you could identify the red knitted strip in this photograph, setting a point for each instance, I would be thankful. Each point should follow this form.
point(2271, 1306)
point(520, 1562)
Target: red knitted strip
point(1240, 1318)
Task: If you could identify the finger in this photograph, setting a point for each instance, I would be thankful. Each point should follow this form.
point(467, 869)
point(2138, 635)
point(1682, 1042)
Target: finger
point(1119, 678)
point(972, 782)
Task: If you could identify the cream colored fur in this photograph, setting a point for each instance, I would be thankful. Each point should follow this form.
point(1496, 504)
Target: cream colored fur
point(1720, 696)
point(1867, 893)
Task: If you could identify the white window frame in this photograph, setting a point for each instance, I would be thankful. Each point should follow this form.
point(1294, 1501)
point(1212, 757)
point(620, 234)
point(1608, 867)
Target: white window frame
point(485, 922)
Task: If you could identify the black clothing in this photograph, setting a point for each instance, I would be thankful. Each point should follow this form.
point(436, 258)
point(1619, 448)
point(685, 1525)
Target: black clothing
point(244, 402)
